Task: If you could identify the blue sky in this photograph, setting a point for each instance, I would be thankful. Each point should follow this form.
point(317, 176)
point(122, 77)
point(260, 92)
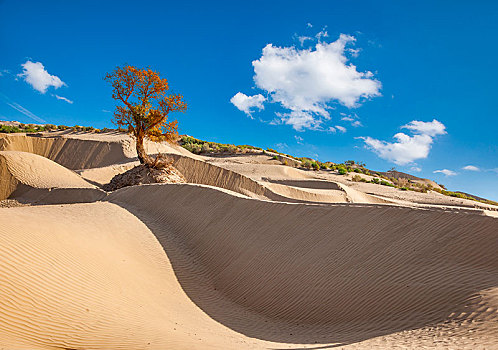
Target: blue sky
point(424, 71)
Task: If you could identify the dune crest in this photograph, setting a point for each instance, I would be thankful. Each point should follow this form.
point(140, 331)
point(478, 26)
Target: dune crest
point(249, 254)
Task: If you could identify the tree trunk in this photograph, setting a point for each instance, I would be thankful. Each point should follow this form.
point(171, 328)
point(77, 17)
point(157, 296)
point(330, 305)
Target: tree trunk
point(143, 157)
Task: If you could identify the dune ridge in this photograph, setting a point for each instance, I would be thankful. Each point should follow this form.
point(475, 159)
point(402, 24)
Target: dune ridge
point(334, 269)
point(244, 274)
point(32, 178)
point(249, 255)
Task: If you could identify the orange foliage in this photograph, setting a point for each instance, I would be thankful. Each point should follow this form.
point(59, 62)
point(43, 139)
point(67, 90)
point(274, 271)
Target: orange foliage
point(145, 106)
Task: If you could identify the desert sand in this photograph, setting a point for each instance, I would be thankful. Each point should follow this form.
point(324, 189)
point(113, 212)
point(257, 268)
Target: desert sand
point(249, 254)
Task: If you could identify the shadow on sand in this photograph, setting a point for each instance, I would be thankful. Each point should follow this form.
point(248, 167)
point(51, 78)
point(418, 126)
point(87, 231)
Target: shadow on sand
point(301, 274)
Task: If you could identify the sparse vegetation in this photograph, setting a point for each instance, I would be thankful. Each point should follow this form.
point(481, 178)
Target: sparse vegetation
point(358, 178)
point(199, 146)
point(34, 128)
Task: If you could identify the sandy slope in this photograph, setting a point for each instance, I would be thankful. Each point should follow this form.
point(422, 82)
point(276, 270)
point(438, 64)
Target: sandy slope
point(23, 172)
point(231, 263)
point(243, 273)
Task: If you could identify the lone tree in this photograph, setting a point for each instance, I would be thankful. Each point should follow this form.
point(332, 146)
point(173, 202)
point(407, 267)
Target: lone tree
point(145, 107)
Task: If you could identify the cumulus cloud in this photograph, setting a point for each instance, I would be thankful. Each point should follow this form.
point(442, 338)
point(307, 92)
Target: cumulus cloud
point(63, 99)
point(426, 128)
point(407, 148)
point(340, 128)
point(35, 75)
point(445, 172)
point(247, 103)
point(306, 82)
point(471, 168)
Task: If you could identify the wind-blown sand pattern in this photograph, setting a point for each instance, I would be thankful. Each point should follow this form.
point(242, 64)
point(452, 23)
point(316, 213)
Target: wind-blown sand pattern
point(236, 260)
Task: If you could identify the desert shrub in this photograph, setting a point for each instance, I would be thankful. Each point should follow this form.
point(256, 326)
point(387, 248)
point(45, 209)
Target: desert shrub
point(386, 183)
point(315, 166)
point(404, 188)
point(205, 147)
point(458, 195)
point(9, 129)
point(375, 180)
point(357, 178)
point(306, 163)
point(357, 170)
point(323, 166)
point(284, 162)
point(274, 157)
point(342, 171)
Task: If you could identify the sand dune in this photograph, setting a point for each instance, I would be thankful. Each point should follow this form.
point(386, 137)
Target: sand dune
point(244, 274)
point(240, 258)
point(335, 273)
point(29, 177)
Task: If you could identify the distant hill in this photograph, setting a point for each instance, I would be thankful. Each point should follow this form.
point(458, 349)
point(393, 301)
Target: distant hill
point(400, 175)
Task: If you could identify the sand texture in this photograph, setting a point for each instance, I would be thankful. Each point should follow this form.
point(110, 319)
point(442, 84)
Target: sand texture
point(249, 254)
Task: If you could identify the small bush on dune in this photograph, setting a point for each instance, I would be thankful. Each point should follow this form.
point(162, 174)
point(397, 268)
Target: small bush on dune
point(9, 129)
point(385, 183)
point(357, 178)
point(342, 171)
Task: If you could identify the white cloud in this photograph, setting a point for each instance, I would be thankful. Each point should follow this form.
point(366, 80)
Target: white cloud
point(353, 119)
point(63, 99)
point(299, 120)
point(416, 169)
point(309, 25)
point(322, 34)
point(340, 128)
point(445, 172)
point(407, 148)
point(303, 39)
point(299, 139)
point(247, 103)
point(35, 75)
point(426, 128)
point(332, 129)
point(471, 168)
point(307, 81)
